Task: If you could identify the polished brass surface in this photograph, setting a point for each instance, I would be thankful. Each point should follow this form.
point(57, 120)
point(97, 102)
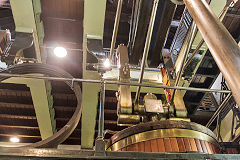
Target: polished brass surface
point(221, 44)
point(128, 119)
point(180, 119)
point(162, 124)
point(161, 133)
point(124, 98)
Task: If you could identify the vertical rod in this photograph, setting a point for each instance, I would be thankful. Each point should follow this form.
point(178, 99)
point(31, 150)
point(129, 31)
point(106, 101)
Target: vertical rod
point(101, 110)
point(146, 47)
point(134, 21)
point(219, 110)
point(222, 46)
point(115, 28)
point(189, 43)
point(218, 126)
point(232, 128)
point(193, 54)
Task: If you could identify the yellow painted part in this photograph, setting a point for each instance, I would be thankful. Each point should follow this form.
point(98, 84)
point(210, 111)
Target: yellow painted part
point(166, 81)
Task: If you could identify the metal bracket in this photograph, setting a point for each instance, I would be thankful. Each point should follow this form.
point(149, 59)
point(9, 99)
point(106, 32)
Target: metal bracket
point(125, 99)
point(100, 147)
point(22, 41)
point(95, 47)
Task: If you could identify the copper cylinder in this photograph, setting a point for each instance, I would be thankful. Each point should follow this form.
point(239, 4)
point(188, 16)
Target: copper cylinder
point(222, 46)
point(165, 136)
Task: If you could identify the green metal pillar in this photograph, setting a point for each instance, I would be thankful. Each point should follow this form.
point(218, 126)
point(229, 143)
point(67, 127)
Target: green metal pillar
point(43, 104)
point(94, 17)
point(26, 15)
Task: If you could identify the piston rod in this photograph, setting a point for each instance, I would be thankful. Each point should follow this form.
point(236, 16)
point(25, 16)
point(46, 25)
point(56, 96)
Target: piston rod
point(101, 111)
point(115, 28)
point(146, 47)
point(218, 110)
point(185, 51)
point(222, 46)
point(73, 80)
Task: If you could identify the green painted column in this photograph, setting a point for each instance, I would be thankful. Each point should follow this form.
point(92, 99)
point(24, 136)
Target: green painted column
point(94, 16)
point(26, 15)
point(43, 104)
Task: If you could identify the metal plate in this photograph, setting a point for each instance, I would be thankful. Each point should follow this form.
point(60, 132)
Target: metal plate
point(154, 106)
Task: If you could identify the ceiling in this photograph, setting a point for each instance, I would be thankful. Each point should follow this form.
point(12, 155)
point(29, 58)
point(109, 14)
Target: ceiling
point(63, 25)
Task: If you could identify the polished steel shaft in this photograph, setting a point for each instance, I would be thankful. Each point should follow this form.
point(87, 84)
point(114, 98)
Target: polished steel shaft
point(73, 80)
point(222, 105)
point(146, 47)
point(222, 46)
point(101, 111)
point(115, 28)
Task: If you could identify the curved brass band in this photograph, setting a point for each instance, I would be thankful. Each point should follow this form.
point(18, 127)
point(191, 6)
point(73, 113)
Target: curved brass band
point(161, 133)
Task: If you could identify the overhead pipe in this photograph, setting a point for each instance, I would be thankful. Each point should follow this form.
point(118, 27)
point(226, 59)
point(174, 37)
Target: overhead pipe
point(146, 48)
point(221, 44)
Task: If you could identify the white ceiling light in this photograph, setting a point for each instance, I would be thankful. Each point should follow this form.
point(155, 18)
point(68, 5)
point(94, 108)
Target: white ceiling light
point(60, 52)
point(14, 139)
point(107, 63)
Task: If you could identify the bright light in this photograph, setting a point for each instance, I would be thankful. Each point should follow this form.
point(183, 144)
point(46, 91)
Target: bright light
point(107, 63)
point(14, 139)
point(60, 52)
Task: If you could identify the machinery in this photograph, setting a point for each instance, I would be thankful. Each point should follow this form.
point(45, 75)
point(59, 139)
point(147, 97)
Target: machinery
point(156, 129)
point(156, 123)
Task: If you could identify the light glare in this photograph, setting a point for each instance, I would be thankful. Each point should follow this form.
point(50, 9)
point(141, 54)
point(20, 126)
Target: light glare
point(60, 52)
point(14, 140)
point(107, 63)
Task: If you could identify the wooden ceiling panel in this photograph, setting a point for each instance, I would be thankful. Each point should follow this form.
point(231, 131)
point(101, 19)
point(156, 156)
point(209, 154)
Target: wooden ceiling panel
point(58, 29)
point(63, 26)
point(67, 9)
point(72, 63)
